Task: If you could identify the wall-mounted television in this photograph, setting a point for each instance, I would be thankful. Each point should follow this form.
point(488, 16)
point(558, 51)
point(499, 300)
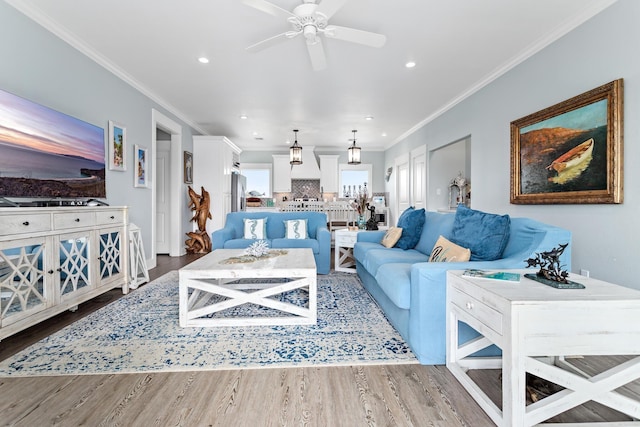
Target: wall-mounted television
point(45, 153)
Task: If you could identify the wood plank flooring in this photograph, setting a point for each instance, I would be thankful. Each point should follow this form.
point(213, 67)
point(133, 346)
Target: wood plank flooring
point(385, 395)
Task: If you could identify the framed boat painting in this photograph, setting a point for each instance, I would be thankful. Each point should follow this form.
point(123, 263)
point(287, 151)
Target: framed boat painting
point(570, 152)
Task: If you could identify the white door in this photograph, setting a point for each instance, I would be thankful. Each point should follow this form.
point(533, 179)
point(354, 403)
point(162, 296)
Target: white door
point(419, 177)
point(163, 175)
point(403, 184)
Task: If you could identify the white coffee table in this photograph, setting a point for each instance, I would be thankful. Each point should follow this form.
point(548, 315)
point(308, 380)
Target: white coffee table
point(208, 277)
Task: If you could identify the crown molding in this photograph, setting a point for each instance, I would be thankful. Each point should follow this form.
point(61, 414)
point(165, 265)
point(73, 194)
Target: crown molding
point(36, 15)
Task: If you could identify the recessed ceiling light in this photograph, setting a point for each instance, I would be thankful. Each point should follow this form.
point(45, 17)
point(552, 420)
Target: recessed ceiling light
point(383, 134)
point(203, 60)
point(244, 117)
point(410, 64)
point(369, 118)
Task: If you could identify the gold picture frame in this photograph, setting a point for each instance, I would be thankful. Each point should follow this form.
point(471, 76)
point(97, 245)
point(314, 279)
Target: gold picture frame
point(571, 152)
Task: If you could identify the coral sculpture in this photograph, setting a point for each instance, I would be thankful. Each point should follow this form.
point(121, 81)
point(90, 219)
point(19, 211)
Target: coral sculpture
point(549, 263)
point(258, 249)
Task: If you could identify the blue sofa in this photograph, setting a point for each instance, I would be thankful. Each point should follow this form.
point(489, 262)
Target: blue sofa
point(411, 291)
point(319, 237)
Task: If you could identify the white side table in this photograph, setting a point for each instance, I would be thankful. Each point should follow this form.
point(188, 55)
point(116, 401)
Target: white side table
point(344, 241)
point(536, 326)
point(343, 256)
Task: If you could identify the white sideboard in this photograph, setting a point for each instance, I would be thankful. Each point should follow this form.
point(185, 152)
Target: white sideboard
point(52, 259)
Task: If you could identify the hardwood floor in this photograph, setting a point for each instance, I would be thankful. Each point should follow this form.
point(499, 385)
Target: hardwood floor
point(393, 395)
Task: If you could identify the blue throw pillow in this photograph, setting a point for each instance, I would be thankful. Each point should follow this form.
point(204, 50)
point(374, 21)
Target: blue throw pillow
point(484, 233)
point(405, 213)
point(411, 221)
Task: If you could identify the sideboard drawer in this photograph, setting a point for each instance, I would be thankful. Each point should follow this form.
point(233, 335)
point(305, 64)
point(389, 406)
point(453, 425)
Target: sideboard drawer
point(24, 223)
point(110, 217)
point(63, 221)
point(477, 309)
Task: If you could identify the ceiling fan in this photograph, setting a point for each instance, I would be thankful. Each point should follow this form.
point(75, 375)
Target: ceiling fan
point(311, 20)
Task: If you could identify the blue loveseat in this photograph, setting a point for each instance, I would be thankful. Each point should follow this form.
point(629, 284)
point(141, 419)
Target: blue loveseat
point(319, 237)
point(411, 291)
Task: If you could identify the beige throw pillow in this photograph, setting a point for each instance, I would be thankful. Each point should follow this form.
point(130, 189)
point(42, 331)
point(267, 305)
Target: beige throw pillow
point(446, 251)
point(391, 237)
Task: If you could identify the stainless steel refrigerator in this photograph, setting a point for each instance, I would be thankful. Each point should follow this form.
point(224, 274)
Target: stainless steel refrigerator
point(238, 192)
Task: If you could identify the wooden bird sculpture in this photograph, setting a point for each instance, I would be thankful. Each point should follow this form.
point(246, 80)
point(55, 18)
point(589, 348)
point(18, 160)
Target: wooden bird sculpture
point(199, 241)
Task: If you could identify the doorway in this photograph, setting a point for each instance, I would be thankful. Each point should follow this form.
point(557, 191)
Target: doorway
point(172, 217)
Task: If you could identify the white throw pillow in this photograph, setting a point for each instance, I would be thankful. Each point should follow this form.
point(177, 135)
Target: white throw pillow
point(296, 228)
point(255, 228)
point(447, 251)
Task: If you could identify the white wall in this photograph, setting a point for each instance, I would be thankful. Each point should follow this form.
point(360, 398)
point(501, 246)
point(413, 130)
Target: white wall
point(606, 238)
point(38, 66)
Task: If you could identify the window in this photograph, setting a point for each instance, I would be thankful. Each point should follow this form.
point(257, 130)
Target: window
point(352, 178)
point(258, 179)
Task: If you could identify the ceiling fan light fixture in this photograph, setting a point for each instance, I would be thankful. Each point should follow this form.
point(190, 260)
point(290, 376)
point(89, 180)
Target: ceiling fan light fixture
point(353, 152)
point(295, 151)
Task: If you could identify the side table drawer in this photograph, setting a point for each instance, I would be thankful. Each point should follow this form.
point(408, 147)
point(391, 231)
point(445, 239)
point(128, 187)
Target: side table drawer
point(346, 239)
point(477, 309)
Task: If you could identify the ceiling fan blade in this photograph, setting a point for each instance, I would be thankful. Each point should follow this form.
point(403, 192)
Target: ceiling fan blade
point(316, 54)
point(271, 41)
point(267, 7)
point(355, 36)
point(329, 7)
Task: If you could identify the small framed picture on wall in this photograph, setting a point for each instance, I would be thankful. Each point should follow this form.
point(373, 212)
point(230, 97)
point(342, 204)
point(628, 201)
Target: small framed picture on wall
point(140, 175)
point(188, 168)
point(117, 147)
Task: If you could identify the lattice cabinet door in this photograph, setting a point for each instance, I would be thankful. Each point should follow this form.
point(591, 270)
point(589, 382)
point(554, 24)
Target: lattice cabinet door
point(74, 255)
point(111, 254)
point(25, 287)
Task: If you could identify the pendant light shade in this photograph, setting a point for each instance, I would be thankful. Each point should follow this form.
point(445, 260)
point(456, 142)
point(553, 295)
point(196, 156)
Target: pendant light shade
point(353, 152)
point(295, 151)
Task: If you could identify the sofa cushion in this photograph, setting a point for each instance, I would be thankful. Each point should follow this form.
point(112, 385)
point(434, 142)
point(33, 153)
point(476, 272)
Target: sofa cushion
point(391, 237)
point(484, 233)
point(395, 281)
point(436, 224)
point(295, 229)
point(374, 255)
point(296, 243)
point(447, 251)
point(411, 224)
point(255, 228)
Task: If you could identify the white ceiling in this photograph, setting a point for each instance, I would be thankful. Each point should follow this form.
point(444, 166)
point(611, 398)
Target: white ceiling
point(458, 45)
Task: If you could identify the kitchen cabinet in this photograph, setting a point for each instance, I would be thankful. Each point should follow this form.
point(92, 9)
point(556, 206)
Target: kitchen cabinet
point(281, 173)
point(215, 158)
point(329, 173)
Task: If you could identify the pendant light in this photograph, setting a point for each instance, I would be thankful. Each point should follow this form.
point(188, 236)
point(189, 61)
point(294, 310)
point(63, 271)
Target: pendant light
point(353, 152)
point(295, 151)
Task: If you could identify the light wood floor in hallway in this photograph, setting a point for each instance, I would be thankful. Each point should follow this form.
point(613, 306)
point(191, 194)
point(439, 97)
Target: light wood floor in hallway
point(391, 395)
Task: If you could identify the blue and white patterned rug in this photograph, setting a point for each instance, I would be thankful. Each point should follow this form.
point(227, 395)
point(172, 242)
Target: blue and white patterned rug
point(140, 333)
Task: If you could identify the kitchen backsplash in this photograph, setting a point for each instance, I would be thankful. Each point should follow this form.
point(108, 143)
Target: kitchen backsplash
point(305, 188)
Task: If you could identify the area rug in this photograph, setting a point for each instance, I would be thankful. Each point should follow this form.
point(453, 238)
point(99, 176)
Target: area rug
point(140, 333)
